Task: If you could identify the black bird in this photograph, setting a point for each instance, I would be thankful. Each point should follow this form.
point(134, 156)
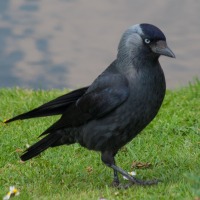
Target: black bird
point(117, 106)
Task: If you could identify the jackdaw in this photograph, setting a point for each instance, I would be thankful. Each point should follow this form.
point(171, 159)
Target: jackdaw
point(117, 106)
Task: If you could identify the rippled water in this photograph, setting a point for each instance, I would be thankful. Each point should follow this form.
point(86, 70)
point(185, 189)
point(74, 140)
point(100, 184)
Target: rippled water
point(67, 43)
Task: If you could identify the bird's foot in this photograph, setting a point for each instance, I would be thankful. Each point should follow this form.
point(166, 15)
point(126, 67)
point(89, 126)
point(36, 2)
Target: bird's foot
point(132, 179)
point(119, 185)
point(115, 183)
point(136, 181)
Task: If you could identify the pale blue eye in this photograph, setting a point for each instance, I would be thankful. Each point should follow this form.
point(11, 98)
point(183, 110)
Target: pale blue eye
point(147, 41)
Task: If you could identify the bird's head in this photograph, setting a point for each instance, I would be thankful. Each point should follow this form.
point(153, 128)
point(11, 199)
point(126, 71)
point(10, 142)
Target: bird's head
point(144, 40)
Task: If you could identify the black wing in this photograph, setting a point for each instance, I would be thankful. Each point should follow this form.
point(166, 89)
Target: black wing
point(54, 107)
point(106, 93)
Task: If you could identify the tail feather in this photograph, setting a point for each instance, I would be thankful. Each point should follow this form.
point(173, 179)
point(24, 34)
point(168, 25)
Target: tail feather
point(54, 107)
point(40, 146)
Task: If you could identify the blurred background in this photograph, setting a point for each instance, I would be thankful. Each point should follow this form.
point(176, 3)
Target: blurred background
point(48, 44)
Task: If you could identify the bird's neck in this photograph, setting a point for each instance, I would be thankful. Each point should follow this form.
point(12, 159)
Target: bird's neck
point(139, 62)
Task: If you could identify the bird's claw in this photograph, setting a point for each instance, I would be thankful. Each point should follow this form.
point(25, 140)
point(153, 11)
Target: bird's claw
point(134, 182)
point(143, 182)
point(115, 184)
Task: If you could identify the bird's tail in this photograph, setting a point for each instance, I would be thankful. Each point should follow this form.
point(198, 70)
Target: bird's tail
point(40, 146)
point(55, 107)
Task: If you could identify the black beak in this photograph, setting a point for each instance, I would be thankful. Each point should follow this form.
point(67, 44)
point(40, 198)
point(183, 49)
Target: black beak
point(161, 48)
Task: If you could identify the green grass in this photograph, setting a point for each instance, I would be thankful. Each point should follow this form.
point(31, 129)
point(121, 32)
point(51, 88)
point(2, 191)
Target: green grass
point(171, 143)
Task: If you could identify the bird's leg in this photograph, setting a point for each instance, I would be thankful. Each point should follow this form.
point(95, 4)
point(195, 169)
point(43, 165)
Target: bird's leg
point(108, 159)
point(132, 179)
point(116, 178)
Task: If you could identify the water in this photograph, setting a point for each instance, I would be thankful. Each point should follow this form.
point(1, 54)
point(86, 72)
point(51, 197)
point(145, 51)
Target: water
point(67, 43)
